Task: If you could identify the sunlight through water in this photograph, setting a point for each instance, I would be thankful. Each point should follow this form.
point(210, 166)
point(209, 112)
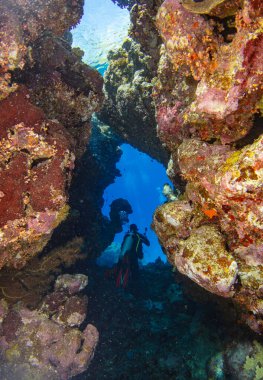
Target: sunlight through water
point(95, 38)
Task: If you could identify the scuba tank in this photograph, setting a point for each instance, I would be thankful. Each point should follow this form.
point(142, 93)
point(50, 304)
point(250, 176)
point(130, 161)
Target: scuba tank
point(127, 244)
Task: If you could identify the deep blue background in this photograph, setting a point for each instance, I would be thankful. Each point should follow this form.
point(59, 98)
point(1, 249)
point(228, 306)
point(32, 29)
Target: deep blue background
point(141, 184)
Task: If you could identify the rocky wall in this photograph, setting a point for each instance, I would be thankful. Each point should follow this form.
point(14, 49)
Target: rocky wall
point(208, 91)
point(47, 343)
point(129, 107)
point(47, 98)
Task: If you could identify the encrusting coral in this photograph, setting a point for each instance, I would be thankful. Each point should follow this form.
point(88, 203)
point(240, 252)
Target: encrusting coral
point(229, 74)
point(129, 80)
point(33, 282)
point(47, 343)
point(38, 149)
point(36, 160)
point(205, 113)
point(219, 8)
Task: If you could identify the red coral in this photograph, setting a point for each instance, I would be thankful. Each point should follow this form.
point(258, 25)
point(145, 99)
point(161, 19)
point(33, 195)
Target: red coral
point(35, 170)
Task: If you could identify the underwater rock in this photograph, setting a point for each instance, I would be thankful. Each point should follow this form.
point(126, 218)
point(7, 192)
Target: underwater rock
point(208, 90)
point(124, 3)
point(218, 8)
point(193, 47)
point(36, 164)
point(45, 340)
point(64, 87)
point(71, 283)
point(98, 164)
point(224, 190)
point(229, 74)
point(40, 72)
point(240, 361)
point(129, 108)
point(119, 213)
point(199, 253)
point(226, 186)
point(31, 283)
point(22, 22)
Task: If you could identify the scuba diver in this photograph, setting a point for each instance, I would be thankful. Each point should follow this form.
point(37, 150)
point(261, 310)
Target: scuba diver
point(131, 251)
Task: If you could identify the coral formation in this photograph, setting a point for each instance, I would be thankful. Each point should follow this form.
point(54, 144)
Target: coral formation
point(36, 161)
point(40, 72)
point(240, 360)
point(221, 208)
point(208, 90)
point(46, 342)
point(129, 108)
point(96, 170)
point(229, 74)
point(22, 22)
point(34, 281)
point(64, 87)
point(219, 8)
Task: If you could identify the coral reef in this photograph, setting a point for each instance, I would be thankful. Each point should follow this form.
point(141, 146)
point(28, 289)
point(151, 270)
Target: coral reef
point(214, 235)
point(129, 108)
point(36, 161)
point(47, 343)
point(30, 284)
point(64, 87)
point(219, 8)
point(95, 171)
point(240, 360)
point(21, 24)
point(208, 90)
point(40, 72)
point(229, 74)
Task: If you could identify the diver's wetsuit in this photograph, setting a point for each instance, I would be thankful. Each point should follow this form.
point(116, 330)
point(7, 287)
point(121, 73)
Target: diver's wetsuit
point(135, 252)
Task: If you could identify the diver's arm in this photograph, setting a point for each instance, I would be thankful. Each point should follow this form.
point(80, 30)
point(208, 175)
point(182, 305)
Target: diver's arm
point(145, 240)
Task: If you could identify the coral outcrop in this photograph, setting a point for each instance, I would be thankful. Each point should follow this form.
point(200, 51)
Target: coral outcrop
point(30, 284)
point(46, 343)
point(22, 22)
point(208, 91)
point(47, 98)
point(64, 87)
point(36, 161)
point(129, 108)
point(229, 74)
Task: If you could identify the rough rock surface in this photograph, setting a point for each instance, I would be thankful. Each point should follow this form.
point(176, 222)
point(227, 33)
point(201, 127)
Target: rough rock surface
point(208, 90)
point(46, 343)
point(38, 149)
point(229, 75)
point(129, 107)
point(36, 161)
point(22, 22)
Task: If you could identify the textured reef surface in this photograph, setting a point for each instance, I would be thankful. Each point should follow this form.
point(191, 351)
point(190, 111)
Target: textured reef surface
point(46, 343)
point(206, 115)
point(48, 96)
point(186, 84)
point(205, 89)
point(129, 107)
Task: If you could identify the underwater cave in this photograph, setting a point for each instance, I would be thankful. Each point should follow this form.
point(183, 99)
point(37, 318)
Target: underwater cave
point(131, 197)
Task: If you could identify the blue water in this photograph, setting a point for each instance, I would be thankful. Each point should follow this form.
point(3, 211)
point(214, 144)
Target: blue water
point(141, 184)
point(103, 27)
